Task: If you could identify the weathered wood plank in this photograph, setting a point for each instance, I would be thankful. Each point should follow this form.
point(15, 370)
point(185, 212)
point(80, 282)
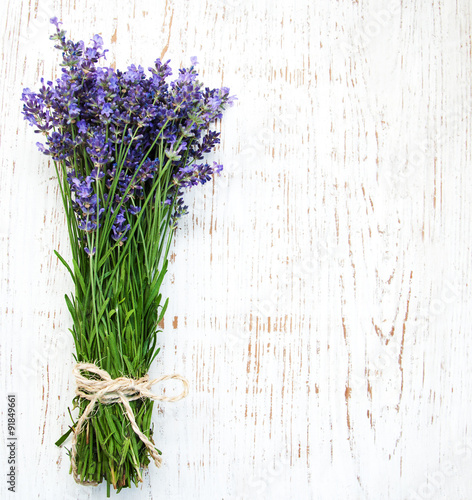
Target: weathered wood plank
point(320, 288)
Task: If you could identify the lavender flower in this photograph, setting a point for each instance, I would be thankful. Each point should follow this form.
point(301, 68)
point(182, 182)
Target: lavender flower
point(101, 124)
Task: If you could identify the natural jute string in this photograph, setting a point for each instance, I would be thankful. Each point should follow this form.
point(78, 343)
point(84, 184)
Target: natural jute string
point(122, 390)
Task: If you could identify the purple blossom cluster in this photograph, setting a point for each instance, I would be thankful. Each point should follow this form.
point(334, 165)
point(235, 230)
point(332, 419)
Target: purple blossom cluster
point(116, 131)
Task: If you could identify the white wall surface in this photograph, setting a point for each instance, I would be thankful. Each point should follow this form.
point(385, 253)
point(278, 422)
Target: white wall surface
point(320, 300)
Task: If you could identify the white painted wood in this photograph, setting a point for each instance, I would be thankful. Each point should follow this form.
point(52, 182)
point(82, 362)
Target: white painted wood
point(319, 290)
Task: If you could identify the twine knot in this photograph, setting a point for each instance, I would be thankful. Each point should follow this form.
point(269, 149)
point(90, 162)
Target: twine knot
point(107, 390)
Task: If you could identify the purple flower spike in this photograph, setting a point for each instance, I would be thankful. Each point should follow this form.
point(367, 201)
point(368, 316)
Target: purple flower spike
point(87, 226)
point(54, 21)
point(97, 174)
point(82, 127)
point(134, 210)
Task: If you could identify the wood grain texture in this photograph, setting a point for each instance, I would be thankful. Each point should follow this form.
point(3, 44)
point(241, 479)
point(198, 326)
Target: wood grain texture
point(319, 289)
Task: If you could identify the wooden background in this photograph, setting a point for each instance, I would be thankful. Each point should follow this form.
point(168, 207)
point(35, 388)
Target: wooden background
point(320, 300)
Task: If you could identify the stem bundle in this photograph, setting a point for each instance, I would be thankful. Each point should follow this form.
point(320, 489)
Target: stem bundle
point(125, 146)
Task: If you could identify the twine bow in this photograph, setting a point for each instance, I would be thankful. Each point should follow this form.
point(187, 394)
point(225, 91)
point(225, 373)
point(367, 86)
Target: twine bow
point(119, 390)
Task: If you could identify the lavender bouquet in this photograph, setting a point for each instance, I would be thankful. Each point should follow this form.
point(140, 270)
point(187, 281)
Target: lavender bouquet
point(125, 146)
